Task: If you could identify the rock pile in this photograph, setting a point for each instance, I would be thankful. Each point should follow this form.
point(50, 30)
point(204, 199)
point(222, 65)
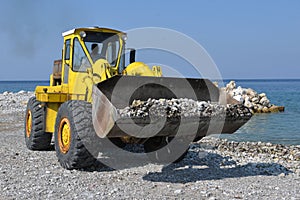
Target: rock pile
point(257, 103)
point(276, 151)
point(244, 152)
point(184, 108)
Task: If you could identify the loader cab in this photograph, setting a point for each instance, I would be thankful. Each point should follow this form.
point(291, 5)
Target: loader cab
point(82, 50)
point(84, 47)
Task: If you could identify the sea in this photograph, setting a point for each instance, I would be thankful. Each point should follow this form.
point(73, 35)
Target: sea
point(277, 128)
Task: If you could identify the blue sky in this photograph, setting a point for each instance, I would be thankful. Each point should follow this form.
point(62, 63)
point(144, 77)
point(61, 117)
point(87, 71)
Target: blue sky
point(246, 39)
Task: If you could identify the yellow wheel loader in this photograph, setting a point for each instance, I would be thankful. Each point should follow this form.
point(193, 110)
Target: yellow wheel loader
point(87, 87)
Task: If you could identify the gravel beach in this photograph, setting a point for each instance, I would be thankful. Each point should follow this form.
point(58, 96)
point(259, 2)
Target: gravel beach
point(212, 169)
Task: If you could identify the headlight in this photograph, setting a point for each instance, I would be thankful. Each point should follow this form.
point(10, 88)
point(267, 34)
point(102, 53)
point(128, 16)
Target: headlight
point(82, 34)
point(124, 37)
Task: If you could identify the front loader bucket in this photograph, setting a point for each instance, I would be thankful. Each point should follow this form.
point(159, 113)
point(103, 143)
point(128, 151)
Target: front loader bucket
point(120, 91)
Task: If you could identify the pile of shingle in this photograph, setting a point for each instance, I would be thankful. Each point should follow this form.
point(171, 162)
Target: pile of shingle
point(183, 108)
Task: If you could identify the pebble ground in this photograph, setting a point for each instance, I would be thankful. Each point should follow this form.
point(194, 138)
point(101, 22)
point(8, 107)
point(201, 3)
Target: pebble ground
point(212, 169)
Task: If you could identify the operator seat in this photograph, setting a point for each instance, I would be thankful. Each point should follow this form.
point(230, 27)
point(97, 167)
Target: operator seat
point(57, 72)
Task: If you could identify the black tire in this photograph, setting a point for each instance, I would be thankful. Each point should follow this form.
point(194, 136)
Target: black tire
point(81, 150)
point(158, 150)
point(35, 136)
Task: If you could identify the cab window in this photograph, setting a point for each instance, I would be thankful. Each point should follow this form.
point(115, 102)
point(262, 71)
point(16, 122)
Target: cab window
point(112, 52)
point(80, 60)
point(108, 46)
point(67, 49)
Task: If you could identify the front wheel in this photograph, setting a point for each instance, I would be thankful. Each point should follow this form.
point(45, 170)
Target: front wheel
point(75, 138)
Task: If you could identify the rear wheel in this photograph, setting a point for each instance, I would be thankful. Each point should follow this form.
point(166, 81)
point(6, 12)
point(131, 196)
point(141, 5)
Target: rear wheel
point(159, 151)
point(35, 136)
point(75, 138)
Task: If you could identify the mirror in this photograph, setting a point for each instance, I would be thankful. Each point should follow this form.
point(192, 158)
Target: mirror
point(132, 56)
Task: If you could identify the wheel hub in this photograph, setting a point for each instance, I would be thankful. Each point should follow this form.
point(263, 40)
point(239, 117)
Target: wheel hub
point(28, 123)
point(64, 135)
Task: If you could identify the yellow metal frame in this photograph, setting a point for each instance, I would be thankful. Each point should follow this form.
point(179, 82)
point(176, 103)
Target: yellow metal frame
point(78, 85)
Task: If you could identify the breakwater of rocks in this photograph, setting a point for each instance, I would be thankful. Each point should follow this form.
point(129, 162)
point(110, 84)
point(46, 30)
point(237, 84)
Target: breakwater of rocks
point(257, 103)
